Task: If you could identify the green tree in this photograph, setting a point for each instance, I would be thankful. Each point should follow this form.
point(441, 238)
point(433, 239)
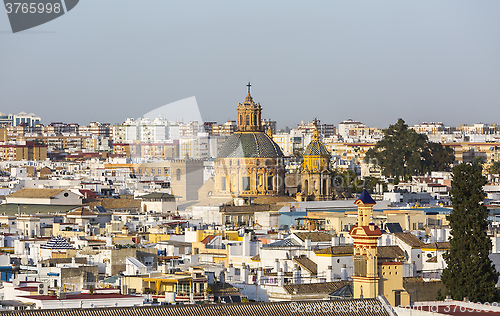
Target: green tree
point(403, 153)
point(469, 272)
point(442, 157)
point(477, 162)
point(494, 168)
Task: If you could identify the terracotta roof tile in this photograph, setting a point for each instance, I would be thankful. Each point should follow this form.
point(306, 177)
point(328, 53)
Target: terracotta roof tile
point(314, 236)
point(410, 239)
point(335, 307)
point(307, 264)
point(315, 288)
point(36, 193)
point(335, 250)
point(437, 245)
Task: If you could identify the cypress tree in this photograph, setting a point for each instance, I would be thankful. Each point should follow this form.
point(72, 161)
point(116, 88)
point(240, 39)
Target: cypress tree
point(470, 272)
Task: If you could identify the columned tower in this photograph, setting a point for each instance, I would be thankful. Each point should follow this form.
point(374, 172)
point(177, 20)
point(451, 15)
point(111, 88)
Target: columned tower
point(249, 115)
point(365, 235)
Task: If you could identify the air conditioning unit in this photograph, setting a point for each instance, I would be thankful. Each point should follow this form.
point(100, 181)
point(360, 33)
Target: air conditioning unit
point(43, 289)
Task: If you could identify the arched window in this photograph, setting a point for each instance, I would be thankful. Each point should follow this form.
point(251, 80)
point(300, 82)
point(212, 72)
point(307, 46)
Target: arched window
point(255, 119)
point(248, 119)
point(178, 174)
point(241, 119)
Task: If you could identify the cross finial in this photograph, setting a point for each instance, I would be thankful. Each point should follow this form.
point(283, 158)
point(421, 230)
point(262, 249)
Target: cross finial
point(249, 85)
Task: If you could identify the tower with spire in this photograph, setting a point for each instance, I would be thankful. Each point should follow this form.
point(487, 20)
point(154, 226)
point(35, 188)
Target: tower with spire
point(365, 235)
point(249, 114)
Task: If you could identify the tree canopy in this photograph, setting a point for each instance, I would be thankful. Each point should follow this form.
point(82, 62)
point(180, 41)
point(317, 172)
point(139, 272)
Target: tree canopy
point(403, 153)
point(469, 272)
point(494, 168)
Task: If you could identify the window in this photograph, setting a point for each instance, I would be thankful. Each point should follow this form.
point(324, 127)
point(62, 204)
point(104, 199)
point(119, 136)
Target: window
point(159, 171)
point(223, 183)
point(166, 171)
point(246, 183)
point(183, 288)
point(248, 120)
point(178, 174)
point(269, 183)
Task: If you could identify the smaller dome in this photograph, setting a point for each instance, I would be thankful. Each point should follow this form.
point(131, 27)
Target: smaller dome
point(316, 147)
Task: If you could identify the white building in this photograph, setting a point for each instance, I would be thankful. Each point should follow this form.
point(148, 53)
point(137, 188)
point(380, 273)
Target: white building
point(44, 196)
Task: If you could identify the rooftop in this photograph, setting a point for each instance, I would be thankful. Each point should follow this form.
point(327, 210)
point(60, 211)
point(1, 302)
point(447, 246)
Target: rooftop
point(36, 193)
point(335, 307)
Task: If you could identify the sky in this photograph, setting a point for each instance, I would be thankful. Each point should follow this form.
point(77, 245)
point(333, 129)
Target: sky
point(372, 61)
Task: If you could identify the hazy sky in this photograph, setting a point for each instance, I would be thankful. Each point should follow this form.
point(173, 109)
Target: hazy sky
point(372, 61)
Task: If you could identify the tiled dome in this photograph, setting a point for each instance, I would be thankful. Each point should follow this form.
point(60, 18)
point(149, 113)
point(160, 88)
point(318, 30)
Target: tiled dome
point(316, 148)
point(250, 145)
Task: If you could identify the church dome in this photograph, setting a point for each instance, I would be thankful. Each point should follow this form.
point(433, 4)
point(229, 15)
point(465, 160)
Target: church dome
point(316, 147)
point(250, 145)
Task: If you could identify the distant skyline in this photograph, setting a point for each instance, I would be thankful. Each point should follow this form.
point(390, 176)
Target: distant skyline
point(370, 61)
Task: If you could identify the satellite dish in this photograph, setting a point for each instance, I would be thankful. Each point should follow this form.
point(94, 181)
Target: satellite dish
point(24, 261)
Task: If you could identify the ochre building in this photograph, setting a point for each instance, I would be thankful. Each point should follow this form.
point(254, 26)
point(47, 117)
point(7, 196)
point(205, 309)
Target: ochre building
point(250, 163)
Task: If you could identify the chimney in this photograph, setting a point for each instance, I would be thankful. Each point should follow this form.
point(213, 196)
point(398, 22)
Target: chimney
point(230, 273)
point(329, 274)
point(285, 266)
point(281, 277)
point(276, 265)
point(343, 273)
point(246, 245)
point(335, 241)
point(260, 276)
point(244, 273)
point(296, 274)
point(307, 244)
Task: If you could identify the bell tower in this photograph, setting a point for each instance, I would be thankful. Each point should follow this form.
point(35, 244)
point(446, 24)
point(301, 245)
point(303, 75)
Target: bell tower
point(249, 114)
point(365, 235)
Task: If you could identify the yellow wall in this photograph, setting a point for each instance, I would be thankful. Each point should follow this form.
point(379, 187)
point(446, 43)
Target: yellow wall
point(154, 238)
point(391, 280)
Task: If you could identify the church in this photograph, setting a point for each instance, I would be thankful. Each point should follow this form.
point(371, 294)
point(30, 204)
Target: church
point(250, 163)
point(315, 174)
